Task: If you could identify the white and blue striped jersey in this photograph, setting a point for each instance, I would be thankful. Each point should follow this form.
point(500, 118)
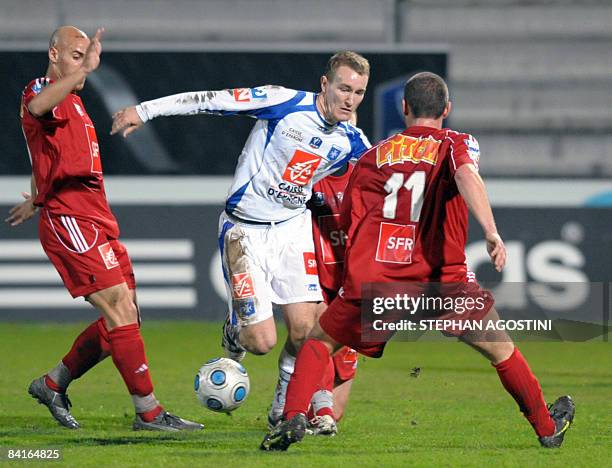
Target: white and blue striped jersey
point(289, 149)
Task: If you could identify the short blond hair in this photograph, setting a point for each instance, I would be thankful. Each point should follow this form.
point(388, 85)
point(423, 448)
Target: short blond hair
point(350, 59)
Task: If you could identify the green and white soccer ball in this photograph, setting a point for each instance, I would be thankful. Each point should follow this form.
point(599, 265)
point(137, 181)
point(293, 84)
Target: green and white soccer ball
point(222, 385)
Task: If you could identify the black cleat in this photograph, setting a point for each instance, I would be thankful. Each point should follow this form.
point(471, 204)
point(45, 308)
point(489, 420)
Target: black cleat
point(167, 422)
point(562, 412)
point(285, 434)
point(58, 403)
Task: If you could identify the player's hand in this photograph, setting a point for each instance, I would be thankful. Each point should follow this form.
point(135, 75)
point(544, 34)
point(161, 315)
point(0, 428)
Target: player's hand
point(496, 250)
point(23, 211)
point(127, 120)
point(92, 54)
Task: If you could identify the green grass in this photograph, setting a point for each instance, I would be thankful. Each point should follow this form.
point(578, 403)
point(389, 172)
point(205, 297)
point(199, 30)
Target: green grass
point(454, 414)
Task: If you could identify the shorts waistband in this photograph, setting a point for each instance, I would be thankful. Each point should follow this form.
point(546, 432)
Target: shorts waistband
point(255, 223)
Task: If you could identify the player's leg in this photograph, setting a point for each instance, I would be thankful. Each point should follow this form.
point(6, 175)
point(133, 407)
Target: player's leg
point(311, 363)
point(90, 347)
point(520, 382)
point(72, 259)
point(321, 414)
point(250, 324)
point(345, 367)
point(120, 310)
point(258, 338)
point(299, 318)
point(328, 404)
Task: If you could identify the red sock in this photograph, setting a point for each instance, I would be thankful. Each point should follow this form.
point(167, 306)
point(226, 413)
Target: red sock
point(326, 384)
point(53, 386)
point(519, 381)
point(104, 338)
point(149, 416)
point(87, 350)
point(310, 366)
point(127, 350)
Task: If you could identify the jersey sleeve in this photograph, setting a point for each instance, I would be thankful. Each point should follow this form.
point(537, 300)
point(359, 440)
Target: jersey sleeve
point(49, 120)
point(464, 150)
point(257, 102)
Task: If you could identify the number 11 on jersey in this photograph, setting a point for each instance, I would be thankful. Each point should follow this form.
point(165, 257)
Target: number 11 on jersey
point(414, 183)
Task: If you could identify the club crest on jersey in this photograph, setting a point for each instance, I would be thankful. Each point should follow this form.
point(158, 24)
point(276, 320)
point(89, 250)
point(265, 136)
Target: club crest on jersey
point(242, 285)
point(108, 256)
point(334, 153)
point(315, 142)
point(301, 169)
point(244, 307)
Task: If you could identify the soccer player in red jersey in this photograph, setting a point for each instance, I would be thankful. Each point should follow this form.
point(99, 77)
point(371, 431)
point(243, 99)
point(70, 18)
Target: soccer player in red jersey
point(329, 402)
point(415, 186)
point(79, 233)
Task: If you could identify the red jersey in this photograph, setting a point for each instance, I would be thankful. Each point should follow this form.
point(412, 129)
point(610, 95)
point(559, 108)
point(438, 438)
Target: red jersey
point(329, 239)
point(403, 213)
point(65, 158)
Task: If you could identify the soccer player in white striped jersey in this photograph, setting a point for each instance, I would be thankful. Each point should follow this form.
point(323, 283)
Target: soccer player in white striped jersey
point(265, 234)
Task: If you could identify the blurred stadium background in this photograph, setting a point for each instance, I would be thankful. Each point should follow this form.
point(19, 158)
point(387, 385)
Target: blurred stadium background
point(531, 79)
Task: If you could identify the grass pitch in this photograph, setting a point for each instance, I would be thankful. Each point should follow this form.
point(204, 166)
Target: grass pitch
point(455, 413)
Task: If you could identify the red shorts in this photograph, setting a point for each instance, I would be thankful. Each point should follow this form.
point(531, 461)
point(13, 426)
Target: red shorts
point(342, 321)
point(345, 364)
point(85, 258)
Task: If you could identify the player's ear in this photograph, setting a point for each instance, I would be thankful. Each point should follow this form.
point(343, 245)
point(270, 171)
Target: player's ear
point(324, 83)
point(53, 54)
point(447, 109)
point(405, 109)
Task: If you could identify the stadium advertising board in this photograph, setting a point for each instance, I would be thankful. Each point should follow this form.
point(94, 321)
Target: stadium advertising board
point(177, 264)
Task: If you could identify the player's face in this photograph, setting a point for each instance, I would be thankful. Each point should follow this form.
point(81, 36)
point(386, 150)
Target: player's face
point(343, 94)
point(69, 57)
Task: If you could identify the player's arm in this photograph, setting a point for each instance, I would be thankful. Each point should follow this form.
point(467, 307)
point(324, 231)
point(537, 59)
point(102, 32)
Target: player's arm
point(244, 101)
point(26, 209)
point(472, 189)
point(57, 91)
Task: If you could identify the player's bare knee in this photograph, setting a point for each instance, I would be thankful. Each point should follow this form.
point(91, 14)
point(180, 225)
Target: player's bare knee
point(121, 309)
point(500, 351)
point(258, 342)
point(299, 334)
point(260, 346)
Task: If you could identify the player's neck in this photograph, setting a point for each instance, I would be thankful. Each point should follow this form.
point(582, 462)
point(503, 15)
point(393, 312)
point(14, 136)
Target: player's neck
point(323, 112)
point(424, 122)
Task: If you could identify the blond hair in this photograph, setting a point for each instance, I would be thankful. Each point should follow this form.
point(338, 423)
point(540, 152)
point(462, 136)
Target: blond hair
point(350, 59)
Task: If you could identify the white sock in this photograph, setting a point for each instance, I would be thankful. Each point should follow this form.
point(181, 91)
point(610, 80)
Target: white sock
point(144, 404)
point(60, 375)
point(322, 399)
point(286, 365)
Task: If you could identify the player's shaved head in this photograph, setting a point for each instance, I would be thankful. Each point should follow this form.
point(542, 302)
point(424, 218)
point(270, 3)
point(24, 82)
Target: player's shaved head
point(426, 94)
point(64, 34)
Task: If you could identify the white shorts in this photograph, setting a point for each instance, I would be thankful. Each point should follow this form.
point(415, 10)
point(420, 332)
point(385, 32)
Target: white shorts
point(266, 264)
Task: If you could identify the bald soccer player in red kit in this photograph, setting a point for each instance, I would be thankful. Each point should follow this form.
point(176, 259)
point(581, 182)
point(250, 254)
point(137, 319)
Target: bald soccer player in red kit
point(80, 235)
